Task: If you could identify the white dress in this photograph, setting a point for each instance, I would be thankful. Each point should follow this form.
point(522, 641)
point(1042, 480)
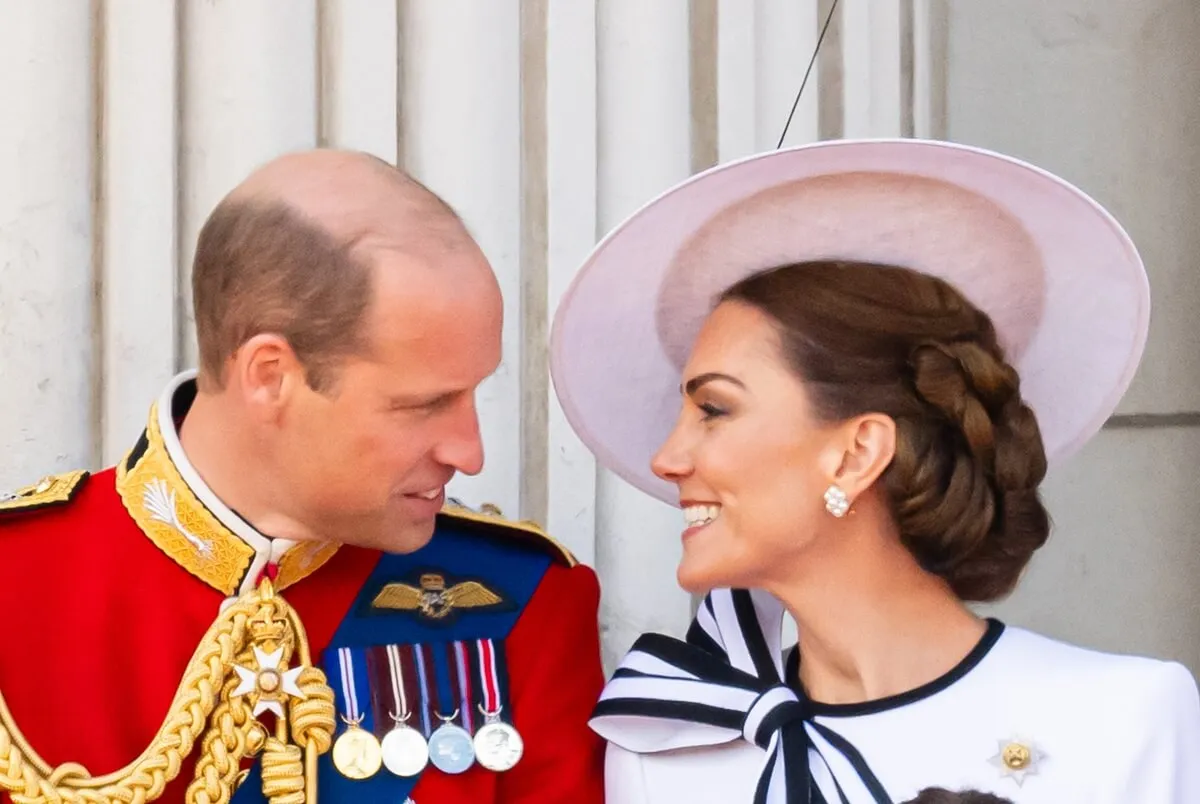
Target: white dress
point(1100, 729)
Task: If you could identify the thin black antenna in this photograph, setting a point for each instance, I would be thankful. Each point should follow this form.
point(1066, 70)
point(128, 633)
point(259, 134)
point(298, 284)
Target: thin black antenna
point(811, 62)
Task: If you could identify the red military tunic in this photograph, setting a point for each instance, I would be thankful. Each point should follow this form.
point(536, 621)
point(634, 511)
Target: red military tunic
point(108, 583)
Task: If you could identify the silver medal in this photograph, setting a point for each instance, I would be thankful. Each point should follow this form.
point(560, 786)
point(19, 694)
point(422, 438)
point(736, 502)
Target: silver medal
point(450, 749)
point(498, 746)
point(405, 752)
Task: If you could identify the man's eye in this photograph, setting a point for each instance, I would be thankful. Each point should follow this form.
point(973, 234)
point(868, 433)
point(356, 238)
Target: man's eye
point(423, 406)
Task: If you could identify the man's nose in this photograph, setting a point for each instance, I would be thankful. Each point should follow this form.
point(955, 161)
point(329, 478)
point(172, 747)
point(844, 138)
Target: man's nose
point(462, 446)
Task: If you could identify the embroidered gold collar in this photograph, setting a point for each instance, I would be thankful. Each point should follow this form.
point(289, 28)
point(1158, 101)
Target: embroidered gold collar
point(187, 521)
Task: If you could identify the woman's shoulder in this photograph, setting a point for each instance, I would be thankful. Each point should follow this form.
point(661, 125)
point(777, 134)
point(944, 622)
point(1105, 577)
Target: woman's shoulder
point(1143, 687)
point(1043, 651)
point(1149, 708)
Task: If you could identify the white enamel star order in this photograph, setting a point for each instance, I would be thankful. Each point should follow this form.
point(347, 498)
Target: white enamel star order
point(270, 684)
point(1017, 758)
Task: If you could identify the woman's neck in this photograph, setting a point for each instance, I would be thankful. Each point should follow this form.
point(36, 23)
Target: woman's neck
point(873, 624)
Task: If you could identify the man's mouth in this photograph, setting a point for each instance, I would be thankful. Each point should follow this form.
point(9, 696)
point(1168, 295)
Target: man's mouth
point(431, 494)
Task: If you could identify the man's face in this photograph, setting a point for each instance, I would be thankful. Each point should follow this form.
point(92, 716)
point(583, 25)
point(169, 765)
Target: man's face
point(369, 459)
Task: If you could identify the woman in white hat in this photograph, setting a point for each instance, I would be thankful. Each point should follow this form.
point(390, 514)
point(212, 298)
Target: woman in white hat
point(850, 364)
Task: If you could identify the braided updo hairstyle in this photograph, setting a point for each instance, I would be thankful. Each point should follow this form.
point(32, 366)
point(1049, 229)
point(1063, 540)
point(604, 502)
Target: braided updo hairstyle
point(963, 484)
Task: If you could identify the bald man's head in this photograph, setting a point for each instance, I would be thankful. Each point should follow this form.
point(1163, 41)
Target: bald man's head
point(292, 251)
point(349, 192)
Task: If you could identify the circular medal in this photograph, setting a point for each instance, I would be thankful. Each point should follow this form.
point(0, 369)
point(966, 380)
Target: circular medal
point(450, 749)
point(356, 754)
point(498, 746)
point(405, 752)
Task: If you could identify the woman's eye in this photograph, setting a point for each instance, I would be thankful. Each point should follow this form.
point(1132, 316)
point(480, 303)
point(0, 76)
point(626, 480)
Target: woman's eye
point(711, 411)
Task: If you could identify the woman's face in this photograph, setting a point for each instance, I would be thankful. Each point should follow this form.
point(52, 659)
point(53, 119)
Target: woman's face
point(751, 462)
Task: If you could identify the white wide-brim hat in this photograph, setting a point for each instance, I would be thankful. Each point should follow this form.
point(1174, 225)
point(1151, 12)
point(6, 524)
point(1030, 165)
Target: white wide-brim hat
point(1059, 276)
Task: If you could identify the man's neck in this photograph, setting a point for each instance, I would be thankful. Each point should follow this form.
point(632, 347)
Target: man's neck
point(220, 451)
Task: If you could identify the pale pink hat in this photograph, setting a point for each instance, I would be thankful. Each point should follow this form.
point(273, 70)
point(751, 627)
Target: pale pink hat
point(1058, 275)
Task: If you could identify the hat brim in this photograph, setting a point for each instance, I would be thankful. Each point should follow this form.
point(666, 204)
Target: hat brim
point(1073, 314)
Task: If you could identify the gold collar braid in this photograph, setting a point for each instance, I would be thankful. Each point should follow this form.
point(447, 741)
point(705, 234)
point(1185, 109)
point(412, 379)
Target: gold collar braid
point(172, 515)
point(210, 706)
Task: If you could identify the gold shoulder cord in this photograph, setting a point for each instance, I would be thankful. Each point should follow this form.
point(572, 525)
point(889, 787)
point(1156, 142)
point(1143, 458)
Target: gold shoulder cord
point(239, 670)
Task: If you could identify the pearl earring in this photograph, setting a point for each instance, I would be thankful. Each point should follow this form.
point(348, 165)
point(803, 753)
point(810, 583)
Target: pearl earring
point(836, 502)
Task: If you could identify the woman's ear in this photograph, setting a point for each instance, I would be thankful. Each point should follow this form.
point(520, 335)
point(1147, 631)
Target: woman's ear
point(860, 450)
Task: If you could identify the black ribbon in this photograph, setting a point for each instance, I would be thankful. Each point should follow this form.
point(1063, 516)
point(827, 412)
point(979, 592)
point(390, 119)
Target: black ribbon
point(722, 683)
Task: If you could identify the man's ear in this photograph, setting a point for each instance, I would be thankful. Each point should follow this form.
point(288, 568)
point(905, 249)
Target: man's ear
point(860, 449)
point(268, 374)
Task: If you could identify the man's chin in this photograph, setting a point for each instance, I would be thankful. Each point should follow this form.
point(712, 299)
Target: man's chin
point(407, 538)
point(398, 539)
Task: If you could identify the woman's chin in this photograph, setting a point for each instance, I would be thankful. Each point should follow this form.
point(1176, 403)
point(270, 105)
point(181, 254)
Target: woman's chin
point(698, 577)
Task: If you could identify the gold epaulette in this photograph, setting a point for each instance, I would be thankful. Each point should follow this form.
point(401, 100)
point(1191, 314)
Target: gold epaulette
point(490, 517)
point(49, 491)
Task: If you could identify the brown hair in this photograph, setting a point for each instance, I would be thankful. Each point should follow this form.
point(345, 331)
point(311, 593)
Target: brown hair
point(969, 457)
point(262, 267)
point(938, 795)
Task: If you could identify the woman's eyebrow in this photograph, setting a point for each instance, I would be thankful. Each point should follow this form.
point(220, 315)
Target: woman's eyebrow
point(695, 383)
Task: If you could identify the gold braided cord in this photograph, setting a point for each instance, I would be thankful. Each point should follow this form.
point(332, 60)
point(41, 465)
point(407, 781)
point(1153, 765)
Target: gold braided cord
point(312, 717)
point(29, 779)
point(225, 742)
point(205, 712)
point(283, 773)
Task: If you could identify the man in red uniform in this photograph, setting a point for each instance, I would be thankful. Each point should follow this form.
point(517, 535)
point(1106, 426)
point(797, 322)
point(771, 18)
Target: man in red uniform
point(344, 319)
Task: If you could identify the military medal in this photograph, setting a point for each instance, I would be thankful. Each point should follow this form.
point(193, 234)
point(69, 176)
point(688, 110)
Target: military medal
point(405, 752)
point(498, 745)
point(356, 753)
point(450, 747)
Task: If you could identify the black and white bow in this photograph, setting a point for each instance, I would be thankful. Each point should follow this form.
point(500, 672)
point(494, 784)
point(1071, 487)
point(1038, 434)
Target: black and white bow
point(725, 682)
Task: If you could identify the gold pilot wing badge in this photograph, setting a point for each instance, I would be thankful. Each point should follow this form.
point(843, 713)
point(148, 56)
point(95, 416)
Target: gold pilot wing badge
point(436, 598)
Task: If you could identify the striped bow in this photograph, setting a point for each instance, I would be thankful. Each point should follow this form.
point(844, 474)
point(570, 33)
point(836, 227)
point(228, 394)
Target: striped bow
point(723, 683)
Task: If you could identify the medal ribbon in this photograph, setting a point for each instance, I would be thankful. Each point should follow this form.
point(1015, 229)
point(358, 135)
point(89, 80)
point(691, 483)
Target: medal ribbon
point(490, 663)
point(487, 675)
point(396, 674)
point(458, 652)
point(444, 679)
point(427, 696)
point(349, 685)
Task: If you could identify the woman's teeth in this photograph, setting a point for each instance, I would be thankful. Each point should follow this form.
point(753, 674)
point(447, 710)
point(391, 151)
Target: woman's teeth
point(700, 515)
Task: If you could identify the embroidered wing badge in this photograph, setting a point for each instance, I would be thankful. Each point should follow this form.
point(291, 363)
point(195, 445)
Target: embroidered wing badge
point(434, 600)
